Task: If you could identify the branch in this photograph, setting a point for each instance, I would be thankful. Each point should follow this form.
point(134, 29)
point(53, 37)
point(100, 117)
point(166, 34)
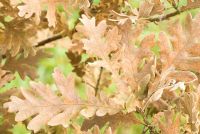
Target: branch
point(183, 9)
point(51, 39)
point(167, 16)
point(63, 34)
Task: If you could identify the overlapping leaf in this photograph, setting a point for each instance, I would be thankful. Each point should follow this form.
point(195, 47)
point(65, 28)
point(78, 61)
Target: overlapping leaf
point(53, 110)
point(16, 33)
point(169, 126)
point(141, 77)
point(151, 7)
point(178, 55)
point(31, 8)
point(113, 120)
point(190, 106)
point(25, 66)
point(191, 4)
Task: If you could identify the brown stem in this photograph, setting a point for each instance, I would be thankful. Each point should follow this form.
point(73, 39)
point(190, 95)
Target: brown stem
point(51, 39)
point(160, 18)
point(167, 16)
point(148, 125)
point(98, 81)
point(156, 19)
point(183, 9)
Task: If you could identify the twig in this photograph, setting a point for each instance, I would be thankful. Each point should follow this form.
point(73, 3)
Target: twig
point(167, 16)
point(160, 18)
point(98, 81)
point(87, 83)
point(145, 130)
point(156, 19)
point(51, 39)
point(46, 41)
point(148, 127)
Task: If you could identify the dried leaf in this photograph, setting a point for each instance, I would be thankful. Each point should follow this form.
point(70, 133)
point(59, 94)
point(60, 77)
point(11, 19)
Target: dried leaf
point(190, 106)
point(31, 8)
point(149, 8)
point(25, 66)
point(9, 118)
point(17, 34)
point(170, 126)
point(114, 121)
point(53, 110)
point(5, 77)
point(191, 4)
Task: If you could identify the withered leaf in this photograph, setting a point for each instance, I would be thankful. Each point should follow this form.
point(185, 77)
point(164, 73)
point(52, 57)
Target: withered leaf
point(53, 110)
point(150, 7)
point(25, 66)
point(170, 125)
point(113, 120)
point(190, 106)
point(5, 77)
point(17, 34)
point(9, 118)
point(31, 8)
point(191, 4)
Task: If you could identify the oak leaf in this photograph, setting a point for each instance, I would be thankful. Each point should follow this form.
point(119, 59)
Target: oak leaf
point(191, 4)
point(170, 125)
point(25, 66)
point(17, 33)
point(190, 106)
point(31, 8)
point(113, 120)
point(150, 7)
point(54, 110)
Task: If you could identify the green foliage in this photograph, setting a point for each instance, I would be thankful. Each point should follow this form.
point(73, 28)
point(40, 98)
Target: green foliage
point(20, 128)
point(47, 65)
point(96, 2)
point(8, 18)
point(1, 120)
point(18, 82)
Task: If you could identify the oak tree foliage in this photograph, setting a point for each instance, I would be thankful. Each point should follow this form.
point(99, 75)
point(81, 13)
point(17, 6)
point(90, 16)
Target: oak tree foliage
point(155, 73)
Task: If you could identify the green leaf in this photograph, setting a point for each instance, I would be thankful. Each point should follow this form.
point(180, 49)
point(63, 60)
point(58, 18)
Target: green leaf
point(1, 120)
point(137, 129)
point(111, 89)
point(134, 3)
point(20, 128)
point(2, 25)
point(156, 50)
point(18, 82)
point(73, 19)
point(8, 18)
point(96, 2)
point(47, 65)
point(84, 57)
